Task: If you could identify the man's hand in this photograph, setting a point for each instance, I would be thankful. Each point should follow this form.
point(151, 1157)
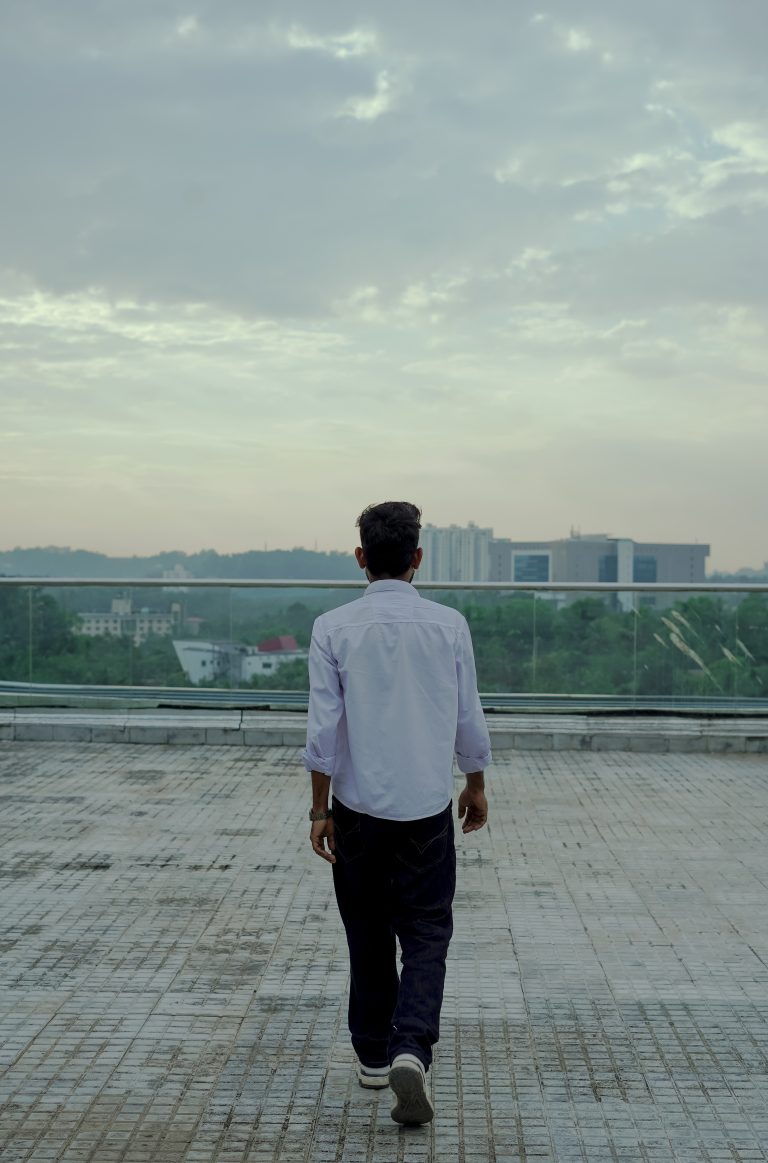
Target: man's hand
point(473, 809)
point(320, 833)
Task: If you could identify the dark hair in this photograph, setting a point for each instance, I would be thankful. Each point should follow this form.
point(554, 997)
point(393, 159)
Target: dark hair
point(389, 534)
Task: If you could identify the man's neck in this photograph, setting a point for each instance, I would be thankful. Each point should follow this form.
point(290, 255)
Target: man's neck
point(406, 577)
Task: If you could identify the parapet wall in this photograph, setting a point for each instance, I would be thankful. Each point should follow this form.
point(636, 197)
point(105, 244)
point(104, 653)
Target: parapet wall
point(509, 732)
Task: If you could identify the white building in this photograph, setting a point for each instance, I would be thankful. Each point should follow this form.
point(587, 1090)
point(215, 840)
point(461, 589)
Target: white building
point(258, 662)
point(204, 662)
point(456, 553)
point(123, 621)
point(178, 573)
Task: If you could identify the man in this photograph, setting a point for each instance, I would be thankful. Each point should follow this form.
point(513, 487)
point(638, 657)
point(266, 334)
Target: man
point(393, 696)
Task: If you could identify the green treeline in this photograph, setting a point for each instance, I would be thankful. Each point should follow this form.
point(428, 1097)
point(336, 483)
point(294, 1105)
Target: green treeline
point(56, 561)
point(38, 643)
point(700, 646)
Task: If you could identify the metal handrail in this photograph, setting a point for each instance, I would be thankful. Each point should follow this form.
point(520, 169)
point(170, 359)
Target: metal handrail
point(338, 584)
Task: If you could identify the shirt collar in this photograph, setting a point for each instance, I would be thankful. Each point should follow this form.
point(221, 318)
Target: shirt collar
point(391, 585)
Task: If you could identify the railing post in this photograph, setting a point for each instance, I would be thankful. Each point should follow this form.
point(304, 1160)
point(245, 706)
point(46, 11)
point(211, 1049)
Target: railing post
point(635, 617)
point(535, 654)
point(29, 634)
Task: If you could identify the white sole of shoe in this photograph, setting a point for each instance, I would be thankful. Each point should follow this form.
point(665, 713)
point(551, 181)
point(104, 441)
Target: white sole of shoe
point(374, 1082)
point(413, 1106)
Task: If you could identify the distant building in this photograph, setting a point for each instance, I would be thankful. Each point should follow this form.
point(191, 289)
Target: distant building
point(523, 561)
point(260, 662)
point(455, 554)
point(178, 573)
point(744, 573)
point(596, 557)
point(204, 662)
point(282, 643)
point(124, 622)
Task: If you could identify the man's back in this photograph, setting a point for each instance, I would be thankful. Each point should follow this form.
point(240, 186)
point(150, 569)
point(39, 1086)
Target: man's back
point(393, 695)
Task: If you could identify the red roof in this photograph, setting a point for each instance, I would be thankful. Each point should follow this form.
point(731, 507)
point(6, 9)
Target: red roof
point(283, 642)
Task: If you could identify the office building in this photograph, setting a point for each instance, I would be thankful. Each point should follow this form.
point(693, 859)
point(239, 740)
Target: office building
point(596, 557)
point(455, 554)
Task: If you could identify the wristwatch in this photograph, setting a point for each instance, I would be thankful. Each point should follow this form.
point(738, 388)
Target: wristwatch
point(326, 815)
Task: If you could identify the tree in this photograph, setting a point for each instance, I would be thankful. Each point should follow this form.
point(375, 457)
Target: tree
point(33, 629)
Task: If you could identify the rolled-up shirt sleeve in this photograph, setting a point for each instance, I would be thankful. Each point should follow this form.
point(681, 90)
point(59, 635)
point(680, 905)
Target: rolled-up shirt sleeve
point(473, 742)
point(326, 706)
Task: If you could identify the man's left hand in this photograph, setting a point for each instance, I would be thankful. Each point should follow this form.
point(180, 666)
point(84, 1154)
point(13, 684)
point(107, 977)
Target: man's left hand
point(320, 834)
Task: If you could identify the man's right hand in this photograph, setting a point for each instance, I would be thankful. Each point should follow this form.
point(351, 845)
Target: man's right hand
point(473, 809)
point(321, 833)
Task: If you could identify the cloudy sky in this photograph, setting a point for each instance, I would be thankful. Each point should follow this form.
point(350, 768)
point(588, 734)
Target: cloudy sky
point(263, 263)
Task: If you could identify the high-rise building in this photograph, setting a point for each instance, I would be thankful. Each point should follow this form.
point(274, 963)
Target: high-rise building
point(455, 554)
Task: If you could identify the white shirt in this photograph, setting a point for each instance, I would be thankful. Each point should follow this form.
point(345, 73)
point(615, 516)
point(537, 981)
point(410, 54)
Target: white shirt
point(393, 695)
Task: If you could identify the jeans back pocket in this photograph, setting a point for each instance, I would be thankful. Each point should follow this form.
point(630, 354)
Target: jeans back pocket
point(424, 843)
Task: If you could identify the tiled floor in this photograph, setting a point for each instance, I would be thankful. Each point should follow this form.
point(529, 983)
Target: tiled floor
point(173, 976)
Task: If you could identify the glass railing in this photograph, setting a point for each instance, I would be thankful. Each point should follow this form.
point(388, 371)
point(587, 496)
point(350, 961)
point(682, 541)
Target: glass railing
point(208, 642)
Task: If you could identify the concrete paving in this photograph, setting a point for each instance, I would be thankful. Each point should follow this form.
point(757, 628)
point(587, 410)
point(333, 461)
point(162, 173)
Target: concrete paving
point(173, 974)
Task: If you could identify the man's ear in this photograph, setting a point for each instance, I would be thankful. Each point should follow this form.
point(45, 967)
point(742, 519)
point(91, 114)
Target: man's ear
point(416, 560)
point(360, 556)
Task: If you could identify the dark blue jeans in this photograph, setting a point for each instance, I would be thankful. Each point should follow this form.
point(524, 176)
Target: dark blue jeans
point(392, 879)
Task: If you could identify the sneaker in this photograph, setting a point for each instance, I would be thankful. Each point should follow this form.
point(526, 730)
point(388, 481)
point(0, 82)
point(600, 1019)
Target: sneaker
point(372, 1077)
point(408, 1080)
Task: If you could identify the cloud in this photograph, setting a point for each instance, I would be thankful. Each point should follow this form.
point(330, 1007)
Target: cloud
point(187, 27)
point(355, 43)
point(570, 38)
point(375, 106)
point(415, 305)
point(426, 236)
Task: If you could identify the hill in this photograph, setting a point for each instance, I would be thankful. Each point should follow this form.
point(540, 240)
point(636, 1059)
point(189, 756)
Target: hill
point(56, 561)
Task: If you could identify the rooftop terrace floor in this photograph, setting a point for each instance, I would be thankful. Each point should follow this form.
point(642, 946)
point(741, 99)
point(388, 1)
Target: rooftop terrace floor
point(173, 975)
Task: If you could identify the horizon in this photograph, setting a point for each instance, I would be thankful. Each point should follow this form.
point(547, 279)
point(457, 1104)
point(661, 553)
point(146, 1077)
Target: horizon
point(712, 566)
